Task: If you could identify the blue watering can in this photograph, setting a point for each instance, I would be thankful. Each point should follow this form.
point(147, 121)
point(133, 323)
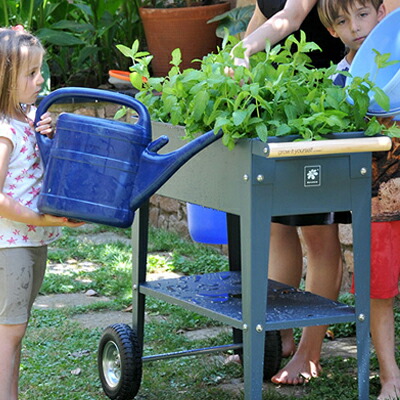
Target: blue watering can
point(100, 170)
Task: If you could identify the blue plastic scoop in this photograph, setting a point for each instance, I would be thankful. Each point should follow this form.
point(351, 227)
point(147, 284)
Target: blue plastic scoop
point(385, 38)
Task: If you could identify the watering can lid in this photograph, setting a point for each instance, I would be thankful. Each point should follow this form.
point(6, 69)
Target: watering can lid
point(385, 38)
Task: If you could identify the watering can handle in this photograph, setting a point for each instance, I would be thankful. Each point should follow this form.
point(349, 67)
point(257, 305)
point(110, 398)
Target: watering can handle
point(143, 121)
point(94, 94)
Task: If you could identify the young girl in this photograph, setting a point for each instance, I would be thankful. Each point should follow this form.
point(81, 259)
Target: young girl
point(24, 232)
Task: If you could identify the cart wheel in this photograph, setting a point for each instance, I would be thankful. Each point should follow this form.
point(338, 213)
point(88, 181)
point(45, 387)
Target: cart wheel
point(119, 361)
point(272, 352)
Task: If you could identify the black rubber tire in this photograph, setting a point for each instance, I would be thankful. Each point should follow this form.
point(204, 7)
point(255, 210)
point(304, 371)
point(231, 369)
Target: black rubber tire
point(119, 362)
point(272, 352)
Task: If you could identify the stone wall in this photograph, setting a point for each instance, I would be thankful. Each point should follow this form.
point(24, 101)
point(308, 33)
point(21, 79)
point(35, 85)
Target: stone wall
point(171, 214)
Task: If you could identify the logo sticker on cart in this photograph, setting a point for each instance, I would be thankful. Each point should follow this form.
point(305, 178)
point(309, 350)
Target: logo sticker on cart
point(312, 175)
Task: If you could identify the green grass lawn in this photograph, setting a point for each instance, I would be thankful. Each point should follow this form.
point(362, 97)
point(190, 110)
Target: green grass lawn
point(60, 356)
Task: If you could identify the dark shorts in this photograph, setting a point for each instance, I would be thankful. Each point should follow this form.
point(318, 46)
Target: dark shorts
point(342, 217)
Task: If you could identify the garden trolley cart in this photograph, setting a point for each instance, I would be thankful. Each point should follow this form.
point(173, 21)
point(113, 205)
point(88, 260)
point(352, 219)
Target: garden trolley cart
point(272, 179)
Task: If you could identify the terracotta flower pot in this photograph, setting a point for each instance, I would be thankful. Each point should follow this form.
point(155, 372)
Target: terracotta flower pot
point(186, 28)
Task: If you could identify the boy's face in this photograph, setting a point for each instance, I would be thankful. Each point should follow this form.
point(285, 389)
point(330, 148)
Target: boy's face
point(353, 27)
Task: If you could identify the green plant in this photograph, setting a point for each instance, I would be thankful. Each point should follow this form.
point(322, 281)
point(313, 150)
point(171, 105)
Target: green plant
point(281, 94)
point(234, 21)
point(99, 24)
point(79, 36)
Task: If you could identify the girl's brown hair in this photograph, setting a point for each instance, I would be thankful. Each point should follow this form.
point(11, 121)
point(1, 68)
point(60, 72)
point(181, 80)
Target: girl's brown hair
point(329, 10)
point(16, 49)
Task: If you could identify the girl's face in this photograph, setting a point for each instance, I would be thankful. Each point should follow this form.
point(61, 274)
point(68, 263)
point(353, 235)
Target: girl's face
point(30, 79)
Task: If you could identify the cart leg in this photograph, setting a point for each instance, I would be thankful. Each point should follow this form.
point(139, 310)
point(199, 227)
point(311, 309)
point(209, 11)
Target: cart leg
point(255, 231)
point(140, 231)
point(234, 253)
point(361, 197)
point(234, 256)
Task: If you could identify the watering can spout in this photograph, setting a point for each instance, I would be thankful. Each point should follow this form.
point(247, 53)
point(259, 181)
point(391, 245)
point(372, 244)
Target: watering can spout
point(155, 169)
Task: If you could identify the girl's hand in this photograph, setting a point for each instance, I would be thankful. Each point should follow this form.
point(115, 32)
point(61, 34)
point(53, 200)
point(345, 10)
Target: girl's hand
point(51, 220)
point(44, 125)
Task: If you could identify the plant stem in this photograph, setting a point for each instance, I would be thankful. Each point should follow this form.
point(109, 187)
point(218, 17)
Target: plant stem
point(6, 21)
point(30, 15)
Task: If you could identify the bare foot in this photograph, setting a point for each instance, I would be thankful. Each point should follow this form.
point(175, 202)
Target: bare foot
point(297, 371)
point(390, 390)
point(288, 347)
point(288, 344)
point(234, 358)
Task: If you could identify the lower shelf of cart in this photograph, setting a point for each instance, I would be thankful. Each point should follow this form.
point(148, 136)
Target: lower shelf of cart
point(219, 296)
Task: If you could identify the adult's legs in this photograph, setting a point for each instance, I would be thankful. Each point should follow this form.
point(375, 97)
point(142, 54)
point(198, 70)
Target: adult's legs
point(10, 350)
point(324, 276)
point(285, 266)
point(382, 331)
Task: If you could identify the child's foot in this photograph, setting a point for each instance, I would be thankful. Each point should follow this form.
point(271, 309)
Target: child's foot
point(288, 344)
point(390, 390)
point(297, 371)
point(288, 347)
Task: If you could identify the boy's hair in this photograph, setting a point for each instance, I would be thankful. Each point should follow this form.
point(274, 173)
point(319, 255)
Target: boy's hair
point(329, 10)
point(16, 49)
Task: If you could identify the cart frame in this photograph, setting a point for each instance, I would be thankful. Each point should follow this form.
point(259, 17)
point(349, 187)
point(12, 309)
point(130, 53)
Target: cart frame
point(214, 178)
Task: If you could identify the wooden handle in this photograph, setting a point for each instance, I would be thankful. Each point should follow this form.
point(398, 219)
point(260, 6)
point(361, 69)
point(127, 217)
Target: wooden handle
point(322, 147)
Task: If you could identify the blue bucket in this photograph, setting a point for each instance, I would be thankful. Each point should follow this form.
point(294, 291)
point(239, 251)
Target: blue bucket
point(207, 225)
point(385, 38)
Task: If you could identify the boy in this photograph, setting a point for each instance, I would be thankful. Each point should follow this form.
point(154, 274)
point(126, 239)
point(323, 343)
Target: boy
point(351, 21)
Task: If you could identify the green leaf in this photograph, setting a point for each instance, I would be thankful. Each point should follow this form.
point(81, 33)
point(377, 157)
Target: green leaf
point(200, 103)
point(176, 57)
point(382, 60)
point(381, 98)
point(239, 116)
point(120, 113)
point(374, 127)
point(58, 38)
point(290, 111)
point(283, 130)
point(126, 51)
point(136, 80)
point(262, 132)
point(238, 51)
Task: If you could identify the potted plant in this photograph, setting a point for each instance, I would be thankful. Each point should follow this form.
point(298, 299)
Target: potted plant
point(280, 95)
point(183, 24)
